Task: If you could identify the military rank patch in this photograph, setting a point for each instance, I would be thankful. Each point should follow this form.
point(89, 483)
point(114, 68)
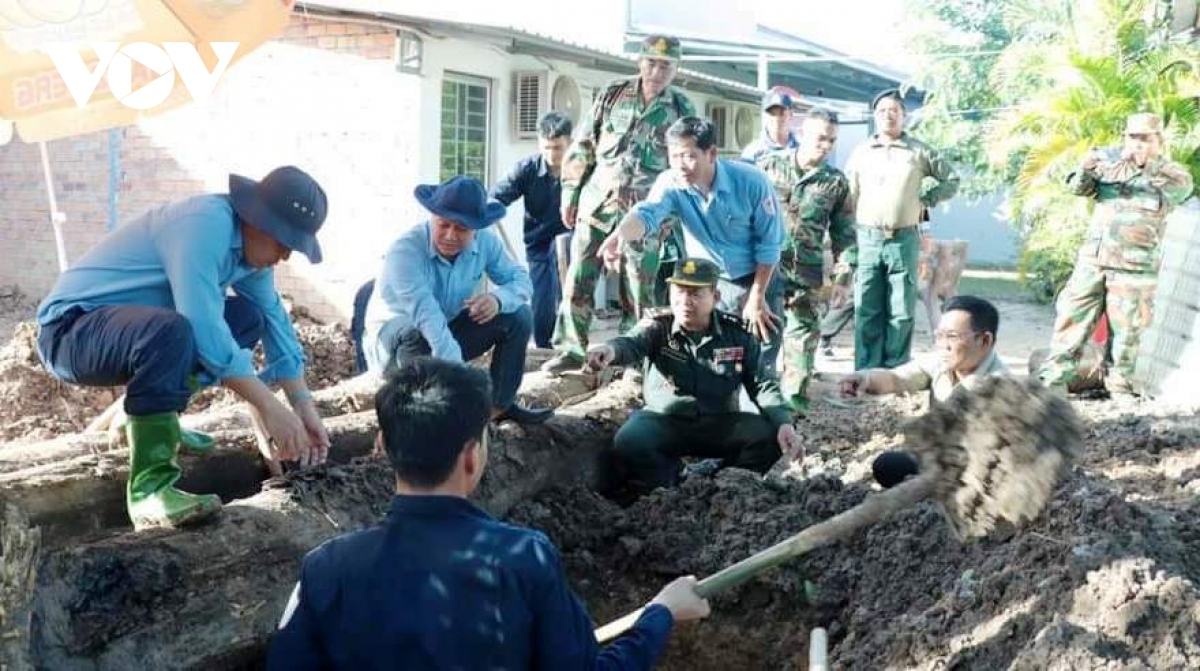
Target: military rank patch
point(722, 354)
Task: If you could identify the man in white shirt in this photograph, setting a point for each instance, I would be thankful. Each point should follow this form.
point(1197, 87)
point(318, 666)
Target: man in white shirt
point(966, 354)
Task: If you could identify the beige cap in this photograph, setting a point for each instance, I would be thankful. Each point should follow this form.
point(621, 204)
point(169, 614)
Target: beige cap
point(1144, 122)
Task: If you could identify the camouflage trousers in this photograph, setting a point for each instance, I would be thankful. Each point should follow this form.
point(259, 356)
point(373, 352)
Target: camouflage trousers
point(1128, 300)
point(802, 330)
point(637, 276)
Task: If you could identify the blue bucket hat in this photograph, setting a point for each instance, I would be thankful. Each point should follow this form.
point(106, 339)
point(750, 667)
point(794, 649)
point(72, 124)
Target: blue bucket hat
point(287, 205)
point(462, 199)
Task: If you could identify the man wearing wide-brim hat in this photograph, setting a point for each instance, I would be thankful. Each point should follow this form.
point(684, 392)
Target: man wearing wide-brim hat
point(1116, 273)
point(147, 308)
point(425, 301)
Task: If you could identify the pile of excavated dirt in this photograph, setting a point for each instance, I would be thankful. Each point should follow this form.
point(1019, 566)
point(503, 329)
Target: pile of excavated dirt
point(1106, 577)
point(34, 406)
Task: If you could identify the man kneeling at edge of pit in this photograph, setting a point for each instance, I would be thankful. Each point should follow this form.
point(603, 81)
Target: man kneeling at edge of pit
point(697, 360)
point(966, 354)
point(440, 584)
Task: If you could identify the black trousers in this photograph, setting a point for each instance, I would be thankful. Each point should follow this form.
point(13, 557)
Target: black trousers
point(150, 350)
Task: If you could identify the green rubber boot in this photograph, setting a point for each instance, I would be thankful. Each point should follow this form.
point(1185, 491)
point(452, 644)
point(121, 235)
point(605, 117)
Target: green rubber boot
point(150, 497)
point(196, 442)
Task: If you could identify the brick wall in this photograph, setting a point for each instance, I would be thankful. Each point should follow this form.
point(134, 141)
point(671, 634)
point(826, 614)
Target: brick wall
point(321, 97)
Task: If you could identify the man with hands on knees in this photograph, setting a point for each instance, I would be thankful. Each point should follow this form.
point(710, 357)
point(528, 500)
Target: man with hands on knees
point(147, 308)
point(697, 361)
point(441, 584)
point(730, 216)
point(966, 354)
point(425, 304)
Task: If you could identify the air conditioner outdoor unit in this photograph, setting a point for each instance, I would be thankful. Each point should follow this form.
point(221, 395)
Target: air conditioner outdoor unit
point(736, 125)
point(567, 97)
point(531, 100)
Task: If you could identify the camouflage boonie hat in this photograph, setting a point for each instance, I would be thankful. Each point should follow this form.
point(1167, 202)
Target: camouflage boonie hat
point(1143, 123)
point(695, 272)
point(661, 46)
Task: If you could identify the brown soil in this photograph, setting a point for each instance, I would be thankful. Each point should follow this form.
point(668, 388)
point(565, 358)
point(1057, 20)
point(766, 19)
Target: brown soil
point(34, 406)
point(1106, 577)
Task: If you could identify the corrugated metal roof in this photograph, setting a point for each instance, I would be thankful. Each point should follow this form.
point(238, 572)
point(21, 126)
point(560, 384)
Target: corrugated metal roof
point(386, 10)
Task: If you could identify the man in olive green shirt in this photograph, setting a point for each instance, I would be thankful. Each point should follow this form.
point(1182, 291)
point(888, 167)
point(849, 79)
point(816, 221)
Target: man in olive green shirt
point(965, 356)
point(697, 361)
point(892, 177)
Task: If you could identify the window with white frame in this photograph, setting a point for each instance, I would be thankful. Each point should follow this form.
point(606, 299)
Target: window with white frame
point(466, 127)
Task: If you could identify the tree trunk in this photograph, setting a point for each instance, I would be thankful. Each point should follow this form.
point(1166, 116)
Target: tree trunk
point(209, 598)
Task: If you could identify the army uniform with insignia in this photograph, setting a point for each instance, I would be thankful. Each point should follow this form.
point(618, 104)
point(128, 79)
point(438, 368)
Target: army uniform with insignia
point(611, 166)
point(814, 203)
point(692, 387)
point(1117, 269)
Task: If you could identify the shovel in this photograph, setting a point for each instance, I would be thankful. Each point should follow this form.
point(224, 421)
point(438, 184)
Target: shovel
point(990, 454)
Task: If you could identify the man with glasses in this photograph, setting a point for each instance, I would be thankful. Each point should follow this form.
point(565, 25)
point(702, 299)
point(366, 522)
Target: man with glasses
point(966, 354)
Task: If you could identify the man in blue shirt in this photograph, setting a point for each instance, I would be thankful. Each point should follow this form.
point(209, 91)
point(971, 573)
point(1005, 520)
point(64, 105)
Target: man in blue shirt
point(730, 216)
point(440, 584)
point(147, 308)
point(778, 107)
point(425, 300)
point(536, 179)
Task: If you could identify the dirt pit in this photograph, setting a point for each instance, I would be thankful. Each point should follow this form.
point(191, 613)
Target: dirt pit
point(1105, 578)
point(34, 406)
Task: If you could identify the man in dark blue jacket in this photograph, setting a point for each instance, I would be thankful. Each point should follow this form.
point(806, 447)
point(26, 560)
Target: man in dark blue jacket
point(536, 179)
point(440, 584)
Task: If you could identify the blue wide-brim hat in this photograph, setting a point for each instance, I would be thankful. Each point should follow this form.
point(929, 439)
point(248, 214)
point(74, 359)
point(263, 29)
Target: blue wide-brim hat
point(287, 205)
point(463, 200)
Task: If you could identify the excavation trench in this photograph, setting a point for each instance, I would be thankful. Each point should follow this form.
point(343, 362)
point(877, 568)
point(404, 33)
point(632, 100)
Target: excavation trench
point(1106, 576)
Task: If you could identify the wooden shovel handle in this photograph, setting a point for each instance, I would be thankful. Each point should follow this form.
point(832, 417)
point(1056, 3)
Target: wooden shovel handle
point(870, 511)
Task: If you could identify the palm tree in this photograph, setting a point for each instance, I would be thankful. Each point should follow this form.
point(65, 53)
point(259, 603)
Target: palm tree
point(1077, 70)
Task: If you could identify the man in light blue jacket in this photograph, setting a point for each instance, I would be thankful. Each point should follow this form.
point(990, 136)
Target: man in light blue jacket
point(425, 301)
point(147, 308)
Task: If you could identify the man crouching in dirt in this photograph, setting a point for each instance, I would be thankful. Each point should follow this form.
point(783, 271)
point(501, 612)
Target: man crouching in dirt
point(440, 584)
point(966, 354)
point(425, 301)
point(146, 308)
point(697, 362)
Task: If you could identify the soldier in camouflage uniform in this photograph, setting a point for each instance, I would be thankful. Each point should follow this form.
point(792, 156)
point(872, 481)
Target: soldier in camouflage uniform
point(697, 362)
point(619, 151)
point(813, 195)
point(1117, 268)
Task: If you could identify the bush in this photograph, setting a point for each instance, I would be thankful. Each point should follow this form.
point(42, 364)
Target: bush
point(1048, 256)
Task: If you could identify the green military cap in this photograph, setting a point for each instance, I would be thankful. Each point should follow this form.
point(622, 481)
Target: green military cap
point(1144, 122)
point(661, 46)
point(693, 272)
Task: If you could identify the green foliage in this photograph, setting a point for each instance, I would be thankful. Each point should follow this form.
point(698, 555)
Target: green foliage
point(1067, 75)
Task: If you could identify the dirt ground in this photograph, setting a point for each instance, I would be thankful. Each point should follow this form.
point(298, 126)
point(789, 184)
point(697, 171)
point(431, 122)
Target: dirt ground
point(1105, 578)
